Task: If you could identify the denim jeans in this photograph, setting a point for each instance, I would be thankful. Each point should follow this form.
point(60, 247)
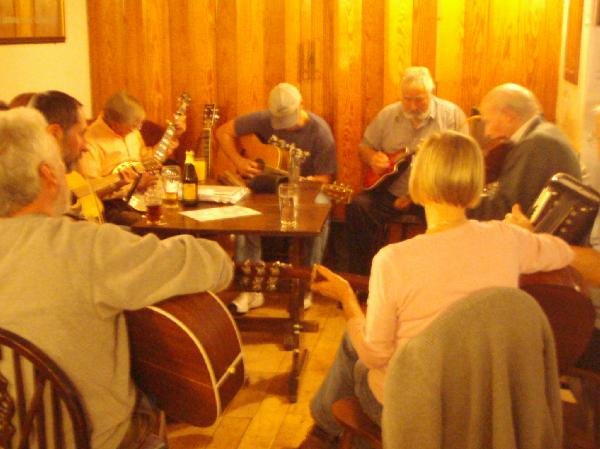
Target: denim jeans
point(347, 376)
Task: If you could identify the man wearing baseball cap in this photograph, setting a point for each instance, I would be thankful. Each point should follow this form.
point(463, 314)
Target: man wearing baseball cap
point(286, 119)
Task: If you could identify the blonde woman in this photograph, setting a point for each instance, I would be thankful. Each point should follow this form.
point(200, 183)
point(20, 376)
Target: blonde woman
point(414, 281)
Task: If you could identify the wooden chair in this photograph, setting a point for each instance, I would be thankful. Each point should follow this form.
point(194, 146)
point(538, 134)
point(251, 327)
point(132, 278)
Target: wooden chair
point(39, 406)
point(403, 227)
point(582, 418)
point(570, 314)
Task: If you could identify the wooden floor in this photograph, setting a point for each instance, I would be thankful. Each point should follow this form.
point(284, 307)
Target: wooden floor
point(260, 416)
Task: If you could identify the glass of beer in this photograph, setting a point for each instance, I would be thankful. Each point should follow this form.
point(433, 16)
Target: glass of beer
point(153, 197)
point(171, 182)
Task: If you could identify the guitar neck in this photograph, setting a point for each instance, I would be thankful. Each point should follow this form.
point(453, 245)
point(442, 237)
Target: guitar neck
point(207, 147)
point(97, 185)
point(279, 270)
point(160, 154)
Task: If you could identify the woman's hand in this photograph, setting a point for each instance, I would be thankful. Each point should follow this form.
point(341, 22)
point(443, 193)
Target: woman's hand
point(326, 283)
point(517, 217)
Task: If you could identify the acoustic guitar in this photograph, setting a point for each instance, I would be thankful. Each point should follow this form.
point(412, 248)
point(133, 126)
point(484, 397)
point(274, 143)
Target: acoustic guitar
point(273, 154)
point(273, 158)
point(186, 353)
point(398, 162)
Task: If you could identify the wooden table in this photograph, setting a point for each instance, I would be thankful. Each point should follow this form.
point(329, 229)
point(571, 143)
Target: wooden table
point(311, 219)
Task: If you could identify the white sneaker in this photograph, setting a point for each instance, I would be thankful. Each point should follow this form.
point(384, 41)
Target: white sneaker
point(246, 301)
point(307, 300)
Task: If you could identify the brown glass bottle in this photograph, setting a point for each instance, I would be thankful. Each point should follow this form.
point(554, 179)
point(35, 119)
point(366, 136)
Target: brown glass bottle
point(189, 182)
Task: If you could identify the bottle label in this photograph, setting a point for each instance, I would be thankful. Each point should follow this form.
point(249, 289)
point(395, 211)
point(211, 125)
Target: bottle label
point(189, 192)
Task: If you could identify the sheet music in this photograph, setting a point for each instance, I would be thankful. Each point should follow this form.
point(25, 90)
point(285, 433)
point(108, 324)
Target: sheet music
point(220, 213)
point(222, 194)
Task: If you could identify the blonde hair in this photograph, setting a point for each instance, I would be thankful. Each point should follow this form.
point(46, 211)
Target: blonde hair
point(448, 168)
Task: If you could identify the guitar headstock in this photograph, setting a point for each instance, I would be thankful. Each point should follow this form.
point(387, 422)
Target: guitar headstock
point(210, 115)
point(338, 192)
point(279, 276)
point(183, 102)
point(261, 276)
point(297, 155)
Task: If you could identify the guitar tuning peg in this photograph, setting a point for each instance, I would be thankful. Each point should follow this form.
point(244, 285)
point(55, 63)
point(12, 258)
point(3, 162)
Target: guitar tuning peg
point(260, 268)
point(257, 283)
point(246, 267)
point(245, 281)
point(272, 283)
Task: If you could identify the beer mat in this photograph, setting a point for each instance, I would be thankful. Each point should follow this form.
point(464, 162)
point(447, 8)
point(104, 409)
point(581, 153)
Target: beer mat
point(222, 194)
point(219, 213)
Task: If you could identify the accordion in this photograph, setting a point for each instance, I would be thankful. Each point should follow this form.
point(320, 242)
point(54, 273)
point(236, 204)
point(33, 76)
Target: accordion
point(565, 208)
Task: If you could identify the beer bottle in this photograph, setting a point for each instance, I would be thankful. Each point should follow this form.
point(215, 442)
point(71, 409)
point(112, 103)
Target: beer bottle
point(189, 189)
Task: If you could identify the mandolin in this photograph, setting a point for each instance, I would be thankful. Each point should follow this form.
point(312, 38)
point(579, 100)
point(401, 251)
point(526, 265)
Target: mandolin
point(398, 162)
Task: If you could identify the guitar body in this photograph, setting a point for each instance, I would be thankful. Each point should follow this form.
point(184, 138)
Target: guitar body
point(397, 163)
point(186, 353)
point(250, 146)
point(272, 155)
point(88, 205)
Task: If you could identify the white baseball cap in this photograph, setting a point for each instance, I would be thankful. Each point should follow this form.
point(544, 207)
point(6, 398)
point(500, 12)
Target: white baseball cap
point(285, 105)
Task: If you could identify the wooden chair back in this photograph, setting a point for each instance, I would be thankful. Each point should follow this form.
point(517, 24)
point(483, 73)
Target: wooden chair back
point(39, 406)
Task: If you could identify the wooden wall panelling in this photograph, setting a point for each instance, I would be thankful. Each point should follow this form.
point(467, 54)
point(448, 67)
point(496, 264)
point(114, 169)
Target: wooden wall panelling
point(227, 66)
point(136, 62)
point(450, 41)
point(193, 62)
point(226, 58)
point(321, 59)
point(479, 55)
point(530, 53)
point(154, 61)
point(275, 45)
point(424, 34)
point(573, 45)
point(373, 37)
point(347, 67)
point(398, 34)
point(547, 79)
point(305, 54)
point(347, 56)
point(108, 56)
point(250, 56)
point(290, 42)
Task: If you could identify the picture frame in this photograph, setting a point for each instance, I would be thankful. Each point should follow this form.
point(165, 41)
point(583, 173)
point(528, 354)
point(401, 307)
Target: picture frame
point(32, 21)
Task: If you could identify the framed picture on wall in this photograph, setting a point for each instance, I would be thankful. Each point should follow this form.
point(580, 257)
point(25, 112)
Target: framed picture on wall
point(31, 21)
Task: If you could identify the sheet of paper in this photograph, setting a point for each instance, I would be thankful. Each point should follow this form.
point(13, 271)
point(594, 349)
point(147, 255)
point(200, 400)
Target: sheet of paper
point(220, 213)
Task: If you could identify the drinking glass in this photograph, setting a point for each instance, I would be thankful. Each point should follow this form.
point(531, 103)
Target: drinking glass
point(288, 205)
point(153, 198)
point(171, 181)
